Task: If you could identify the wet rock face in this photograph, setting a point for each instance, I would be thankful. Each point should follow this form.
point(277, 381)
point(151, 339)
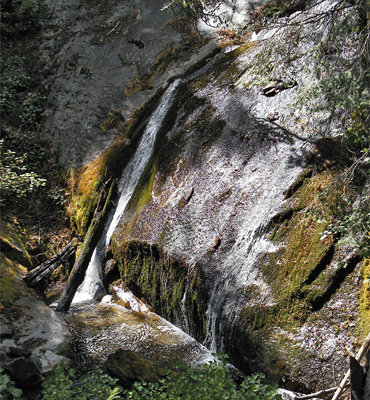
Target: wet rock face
point(32, 337)
point(229, 192)
point(103, 56)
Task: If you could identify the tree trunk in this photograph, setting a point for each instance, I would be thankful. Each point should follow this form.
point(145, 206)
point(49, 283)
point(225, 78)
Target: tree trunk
point(47, 267)
point(92, 237)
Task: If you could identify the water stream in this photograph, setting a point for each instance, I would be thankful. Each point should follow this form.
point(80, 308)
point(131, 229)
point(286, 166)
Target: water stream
point(92, 286)
point(122, 321)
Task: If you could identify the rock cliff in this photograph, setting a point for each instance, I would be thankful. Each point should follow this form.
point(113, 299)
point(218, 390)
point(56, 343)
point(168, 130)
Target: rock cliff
point(225, 231)
point(228, 233)
point(105, 60)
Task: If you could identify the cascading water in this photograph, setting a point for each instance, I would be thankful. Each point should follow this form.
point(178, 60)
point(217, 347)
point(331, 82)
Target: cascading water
point(92, 287)
point(238, 269)
point(122, 321)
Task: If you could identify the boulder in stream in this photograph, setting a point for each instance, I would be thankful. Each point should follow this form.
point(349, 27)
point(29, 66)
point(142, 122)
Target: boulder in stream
point(129, 367)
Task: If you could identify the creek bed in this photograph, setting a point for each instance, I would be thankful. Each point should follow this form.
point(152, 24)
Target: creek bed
point(124, 322)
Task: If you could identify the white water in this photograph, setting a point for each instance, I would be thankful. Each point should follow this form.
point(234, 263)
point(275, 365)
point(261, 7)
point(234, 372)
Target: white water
point(92, 286)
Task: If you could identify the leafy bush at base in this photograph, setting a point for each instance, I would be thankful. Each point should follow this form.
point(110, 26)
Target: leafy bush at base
point(63, 385)
point(209, 382)
point(7, 388)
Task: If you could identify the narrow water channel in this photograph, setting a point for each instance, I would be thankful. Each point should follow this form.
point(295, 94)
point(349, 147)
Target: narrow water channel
point(101, 324)
point(92, 287)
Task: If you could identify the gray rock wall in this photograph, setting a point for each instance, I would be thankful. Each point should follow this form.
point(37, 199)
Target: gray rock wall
point(234, 152)
point(96, 50)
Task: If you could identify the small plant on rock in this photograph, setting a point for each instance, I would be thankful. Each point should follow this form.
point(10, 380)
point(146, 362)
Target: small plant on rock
point(7, 388)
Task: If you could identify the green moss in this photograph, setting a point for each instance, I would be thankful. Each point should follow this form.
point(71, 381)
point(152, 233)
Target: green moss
point(86, 183)
point(12, 241)
point(298, 272)
point(11, 286)
point(151, 275)
point(178, 293)
point(364, 323)
point(162, 281)
point(196, 302)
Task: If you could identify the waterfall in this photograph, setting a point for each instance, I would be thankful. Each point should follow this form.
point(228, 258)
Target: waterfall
point(92, 286)
point(266, 176)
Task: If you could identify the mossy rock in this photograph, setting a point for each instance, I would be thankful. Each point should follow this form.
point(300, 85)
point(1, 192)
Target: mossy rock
point(14, 262)
point(85, 184)
point(130, 367)
point(162, 281)
point(297, 271)
point(364, 323)
point(12, 288)
point(13, 245)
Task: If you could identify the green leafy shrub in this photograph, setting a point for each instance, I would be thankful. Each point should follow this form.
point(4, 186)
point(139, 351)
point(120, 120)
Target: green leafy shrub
point(7, 388)
point(32, 107)
point(63, 384)
point(15, 178)
point(209, 382)
point(19, 100)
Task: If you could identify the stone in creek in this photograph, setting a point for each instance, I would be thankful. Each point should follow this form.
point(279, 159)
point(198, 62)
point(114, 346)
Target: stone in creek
point(129, 367)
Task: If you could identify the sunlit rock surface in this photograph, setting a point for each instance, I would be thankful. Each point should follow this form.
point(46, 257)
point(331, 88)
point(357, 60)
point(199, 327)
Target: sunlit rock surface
point(231, 169)
point(105, 56)
point(223, 234)
point(122, 321)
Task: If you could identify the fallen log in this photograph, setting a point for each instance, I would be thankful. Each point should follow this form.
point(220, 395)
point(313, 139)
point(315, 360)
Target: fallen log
point(345, 380)
point(45, 269)
point(92, 237)
point(316, 394)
